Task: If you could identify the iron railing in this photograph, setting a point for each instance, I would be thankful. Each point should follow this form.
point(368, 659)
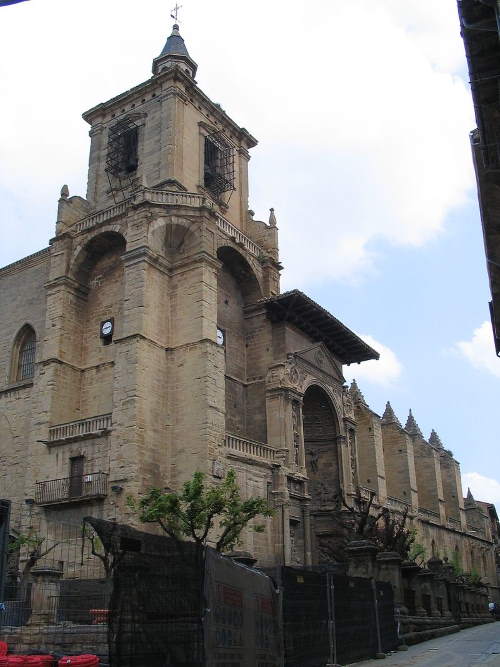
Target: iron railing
point(70, 489)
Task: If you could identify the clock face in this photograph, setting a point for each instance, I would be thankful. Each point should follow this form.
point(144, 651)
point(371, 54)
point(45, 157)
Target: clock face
point(220, 337)
point(106, 328)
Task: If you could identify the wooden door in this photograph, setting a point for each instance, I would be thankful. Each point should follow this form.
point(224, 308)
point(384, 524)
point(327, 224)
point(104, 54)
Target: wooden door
point(76, 476)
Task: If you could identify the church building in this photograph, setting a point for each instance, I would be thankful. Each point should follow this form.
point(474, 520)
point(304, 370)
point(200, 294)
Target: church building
point(150, 340)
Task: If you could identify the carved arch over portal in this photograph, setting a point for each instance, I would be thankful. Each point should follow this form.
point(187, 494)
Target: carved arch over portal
point(321, 429)
point(334, 397)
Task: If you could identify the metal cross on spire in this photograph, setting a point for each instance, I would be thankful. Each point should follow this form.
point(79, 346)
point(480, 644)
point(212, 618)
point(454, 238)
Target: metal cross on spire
point(175, 12)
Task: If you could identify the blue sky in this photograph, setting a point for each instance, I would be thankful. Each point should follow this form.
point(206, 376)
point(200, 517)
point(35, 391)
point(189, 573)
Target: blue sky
point(362, 111)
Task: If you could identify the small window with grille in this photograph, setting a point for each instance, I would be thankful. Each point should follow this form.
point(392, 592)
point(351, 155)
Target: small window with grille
point(218, 164)
point(122, 156)
point(26, 358)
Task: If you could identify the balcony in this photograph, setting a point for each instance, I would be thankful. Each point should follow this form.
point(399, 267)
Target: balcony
point(168, 198)
point(72, 489)
point(249, 448)
point(79, 429)
point(234, 233)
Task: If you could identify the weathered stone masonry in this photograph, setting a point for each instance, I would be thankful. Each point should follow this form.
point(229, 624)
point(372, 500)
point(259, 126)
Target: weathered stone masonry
point(164, 346)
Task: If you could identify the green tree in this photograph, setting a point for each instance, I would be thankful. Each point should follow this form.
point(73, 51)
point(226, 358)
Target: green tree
point(417, 551)
point(36, 548)
point(109, 559)
point(201, 511)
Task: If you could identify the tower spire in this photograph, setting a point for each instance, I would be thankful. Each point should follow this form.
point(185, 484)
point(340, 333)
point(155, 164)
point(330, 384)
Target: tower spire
point(175, 53)
point(412, 427)
point(389, 416)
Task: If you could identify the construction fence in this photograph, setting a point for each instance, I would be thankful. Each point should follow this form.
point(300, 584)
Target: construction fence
point(134, 598)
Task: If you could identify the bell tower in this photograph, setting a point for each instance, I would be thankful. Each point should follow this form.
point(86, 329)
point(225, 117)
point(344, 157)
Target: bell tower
point(166, 134)
point(150, 276)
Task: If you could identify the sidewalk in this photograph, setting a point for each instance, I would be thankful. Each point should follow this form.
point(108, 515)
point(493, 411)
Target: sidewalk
point(474, 646)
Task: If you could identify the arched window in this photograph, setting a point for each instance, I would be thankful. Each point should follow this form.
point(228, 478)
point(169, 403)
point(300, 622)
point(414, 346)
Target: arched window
point(24, 354)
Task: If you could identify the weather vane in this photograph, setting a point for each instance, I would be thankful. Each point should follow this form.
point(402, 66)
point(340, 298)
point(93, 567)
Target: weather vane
point(175, 12)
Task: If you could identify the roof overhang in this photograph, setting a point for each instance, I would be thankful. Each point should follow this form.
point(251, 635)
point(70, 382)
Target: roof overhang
point(479, 22)
point(298, 309)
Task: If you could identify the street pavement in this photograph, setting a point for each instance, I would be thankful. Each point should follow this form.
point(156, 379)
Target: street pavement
point(475, 646)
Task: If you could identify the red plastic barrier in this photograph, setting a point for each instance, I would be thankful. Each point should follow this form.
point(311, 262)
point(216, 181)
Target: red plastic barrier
point(3, 648)
point(39, 661)
point(18, 660)
point(86, 660)
point(3, 661)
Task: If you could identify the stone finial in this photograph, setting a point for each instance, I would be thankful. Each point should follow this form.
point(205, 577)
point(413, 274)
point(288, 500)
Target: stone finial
point(272, 218)
point(356, 395)
point(470, 501)
point(389, 416)
point(412, 427)
point(435, 440)
point(64, 192)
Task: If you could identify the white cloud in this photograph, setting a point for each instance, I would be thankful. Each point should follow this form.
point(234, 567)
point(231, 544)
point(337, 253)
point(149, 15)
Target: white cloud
point(362, 121)
point(483, 488)
point(385, 372)
point(480, 350)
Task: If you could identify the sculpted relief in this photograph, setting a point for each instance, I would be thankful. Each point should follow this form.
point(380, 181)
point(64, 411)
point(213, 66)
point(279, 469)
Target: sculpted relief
point(296, 431)
point(348, 404)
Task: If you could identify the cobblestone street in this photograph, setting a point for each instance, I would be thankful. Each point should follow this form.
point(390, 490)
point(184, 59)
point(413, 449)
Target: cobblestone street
point(475, 646)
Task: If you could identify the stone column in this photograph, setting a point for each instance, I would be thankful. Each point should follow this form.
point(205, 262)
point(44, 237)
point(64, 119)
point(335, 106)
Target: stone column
point(389, 570)
point(45, 595)
point(284, 426)
point(435, 565)
point(361, 556)
point(307, 535)
point(281, 520)
point(96, 172)
point(423, 587)
point(409, 572)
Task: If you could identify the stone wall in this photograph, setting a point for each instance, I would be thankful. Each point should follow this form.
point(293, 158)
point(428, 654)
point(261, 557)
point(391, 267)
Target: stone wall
point(429, 601)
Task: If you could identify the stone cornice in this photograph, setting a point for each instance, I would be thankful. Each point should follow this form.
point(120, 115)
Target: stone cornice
point(200, 257)
point(26, 262)
point(16, 386)
point(188, 87)
point(68, 283)
point(144, 254)
point(139, 336)
point(231, 454)
point(97, 128)
point(61, 362)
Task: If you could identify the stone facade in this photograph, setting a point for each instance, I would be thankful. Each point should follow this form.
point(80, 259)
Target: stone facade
point(423, 476)
point(202, 364)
